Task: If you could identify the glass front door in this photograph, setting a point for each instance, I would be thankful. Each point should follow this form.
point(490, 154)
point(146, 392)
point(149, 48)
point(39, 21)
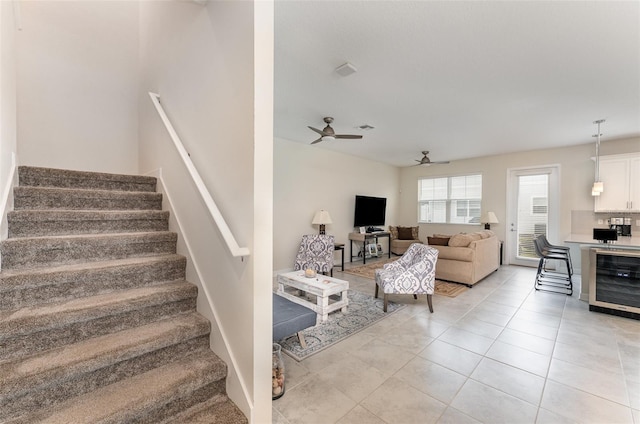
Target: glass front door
point(533, 211)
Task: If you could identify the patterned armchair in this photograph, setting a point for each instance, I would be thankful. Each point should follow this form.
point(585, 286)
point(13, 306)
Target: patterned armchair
point(316, 252)
point(414, 273)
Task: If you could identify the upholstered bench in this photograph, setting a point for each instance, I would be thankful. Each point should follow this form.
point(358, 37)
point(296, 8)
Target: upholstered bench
point(290, 318)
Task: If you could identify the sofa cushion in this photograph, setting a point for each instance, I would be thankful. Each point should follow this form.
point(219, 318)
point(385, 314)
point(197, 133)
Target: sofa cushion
point(405, 233)
point(464, 254)
point(461, 240)
point(438, 241)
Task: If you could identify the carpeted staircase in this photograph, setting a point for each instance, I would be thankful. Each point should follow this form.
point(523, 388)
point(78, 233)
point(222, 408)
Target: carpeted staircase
point(97, 323)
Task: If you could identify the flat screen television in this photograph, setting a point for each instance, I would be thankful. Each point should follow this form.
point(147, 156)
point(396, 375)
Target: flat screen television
point(369, 211)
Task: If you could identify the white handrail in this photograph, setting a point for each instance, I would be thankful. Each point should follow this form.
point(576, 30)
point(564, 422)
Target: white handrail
point(232, 244)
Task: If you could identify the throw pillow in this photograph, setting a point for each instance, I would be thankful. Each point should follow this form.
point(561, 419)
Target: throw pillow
point(488, 233)
point(460, 240)
point(475, 236)
point(414, 233)
point(405, 233)
point(438, 241)
point(394, 232)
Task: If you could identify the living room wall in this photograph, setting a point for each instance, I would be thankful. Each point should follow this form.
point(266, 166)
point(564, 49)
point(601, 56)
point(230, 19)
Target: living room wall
point(576, 177)
point(309, 178)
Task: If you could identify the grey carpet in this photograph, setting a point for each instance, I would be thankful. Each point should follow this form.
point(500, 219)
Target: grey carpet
point(97, 322)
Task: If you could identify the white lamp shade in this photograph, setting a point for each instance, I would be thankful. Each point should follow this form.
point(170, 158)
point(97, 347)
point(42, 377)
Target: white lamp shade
point(322, 217)
point(489, 218)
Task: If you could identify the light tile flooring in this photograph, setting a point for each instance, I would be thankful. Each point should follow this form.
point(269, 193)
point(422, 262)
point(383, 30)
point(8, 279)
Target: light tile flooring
point(498, 353)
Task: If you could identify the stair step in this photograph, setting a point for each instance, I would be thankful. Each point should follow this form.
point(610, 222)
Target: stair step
point(21, 288)
point(58, 374)
point(36, 223)
point(147, 397)
point(212, 411)
point(65, 198)
point(64, 178)
point(34, 329)
point(34, 252)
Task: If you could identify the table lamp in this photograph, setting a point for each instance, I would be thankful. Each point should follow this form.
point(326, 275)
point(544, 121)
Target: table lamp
point(322, 218)
point(488, 219)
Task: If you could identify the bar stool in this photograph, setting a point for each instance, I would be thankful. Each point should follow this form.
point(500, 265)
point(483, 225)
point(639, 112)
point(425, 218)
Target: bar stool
point(554, 248)
point(553, 281)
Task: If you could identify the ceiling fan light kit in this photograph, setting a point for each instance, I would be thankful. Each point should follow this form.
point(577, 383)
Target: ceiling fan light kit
point(328, 134)
point(425, 161)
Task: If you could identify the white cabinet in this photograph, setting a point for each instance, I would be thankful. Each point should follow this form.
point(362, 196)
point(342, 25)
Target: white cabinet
point(621, 177)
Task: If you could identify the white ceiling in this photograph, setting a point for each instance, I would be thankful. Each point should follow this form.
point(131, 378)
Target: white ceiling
point(459, 78)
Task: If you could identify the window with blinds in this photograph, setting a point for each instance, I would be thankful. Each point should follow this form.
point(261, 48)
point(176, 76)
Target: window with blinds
point(454, 200)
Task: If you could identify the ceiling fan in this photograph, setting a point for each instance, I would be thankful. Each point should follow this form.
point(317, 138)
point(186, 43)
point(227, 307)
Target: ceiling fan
point(328, 134)
point(426, 161)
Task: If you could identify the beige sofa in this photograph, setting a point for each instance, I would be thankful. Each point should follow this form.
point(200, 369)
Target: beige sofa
point(401, 238)
point(466, 258)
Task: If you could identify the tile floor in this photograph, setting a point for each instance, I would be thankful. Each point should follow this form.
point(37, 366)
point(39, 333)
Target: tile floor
point(498, 353)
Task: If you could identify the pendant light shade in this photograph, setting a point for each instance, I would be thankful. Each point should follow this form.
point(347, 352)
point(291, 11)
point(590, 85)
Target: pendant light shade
point(598, 186)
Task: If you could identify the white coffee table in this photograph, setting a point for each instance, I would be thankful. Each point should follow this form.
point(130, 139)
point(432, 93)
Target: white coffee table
point(321, 286)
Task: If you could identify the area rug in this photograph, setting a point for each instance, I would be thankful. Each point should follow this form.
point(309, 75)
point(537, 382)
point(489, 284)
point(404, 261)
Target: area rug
point(443, 288)
point(363, 311)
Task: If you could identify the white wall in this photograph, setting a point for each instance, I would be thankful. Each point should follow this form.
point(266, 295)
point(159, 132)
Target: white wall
point(200, 60)
point(309, 178)
point(576, 178)
point(7, 91)
point(77, 66)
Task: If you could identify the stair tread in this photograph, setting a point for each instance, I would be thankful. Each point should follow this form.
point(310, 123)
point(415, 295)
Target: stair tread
point(86, 266)
point(85, 214)
point(57, 314)
point(138, 235)
point(97, 192)
point(218, 410)
point(98, 352)
point(43, 251)
point(124, 400)
point(53, 177)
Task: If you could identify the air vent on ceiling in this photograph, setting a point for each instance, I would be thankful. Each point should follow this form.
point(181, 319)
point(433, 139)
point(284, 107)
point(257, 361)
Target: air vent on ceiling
point(346, 69)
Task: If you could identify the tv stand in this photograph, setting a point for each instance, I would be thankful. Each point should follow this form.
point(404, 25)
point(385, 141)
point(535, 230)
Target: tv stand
point(364, 238)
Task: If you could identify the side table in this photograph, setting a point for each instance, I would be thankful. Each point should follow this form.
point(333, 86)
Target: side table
point(368, 236)
point(340, 247)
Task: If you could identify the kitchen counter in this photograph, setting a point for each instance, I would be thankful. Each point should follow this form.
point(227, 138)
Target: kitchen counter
point(622, 242)
point(581, 244)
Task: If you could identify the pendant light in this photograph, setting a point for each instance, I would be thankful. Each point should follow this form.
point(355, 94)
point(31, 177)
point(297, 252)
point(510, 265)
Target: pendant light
point(598, 186)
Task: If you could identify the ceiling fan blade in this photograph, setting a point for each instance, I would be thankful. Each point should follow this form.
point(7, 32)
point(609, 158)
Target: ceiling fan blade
point(443, 162)
point(317, 141)
point(318, 131)
point(349, 136)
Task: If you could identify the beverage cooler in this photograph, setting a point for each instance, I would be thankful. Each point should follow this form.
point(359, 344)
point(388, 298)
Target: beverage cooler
point(614, 282)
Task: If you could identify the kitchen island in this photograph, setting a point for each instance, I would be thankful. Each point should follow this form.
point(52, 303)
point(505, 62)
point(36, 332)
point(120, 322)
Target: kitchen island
point(581, 244)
